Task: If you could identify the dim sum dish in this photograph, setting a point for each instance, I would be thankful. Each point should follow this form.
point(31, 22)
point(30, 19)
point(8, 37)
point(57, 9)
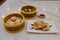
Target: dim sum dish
point(41, 26)
point(14, 22)
point(28, 11)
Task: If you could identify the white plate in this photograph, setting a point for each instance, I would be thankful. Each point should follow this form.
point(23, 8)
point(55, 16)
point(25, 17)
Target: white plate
point(52, 29)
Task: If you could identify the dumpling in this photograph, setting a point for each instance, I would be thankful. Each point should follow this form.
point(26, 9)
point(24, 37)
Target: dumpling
point(46, 28)
point(13, 18)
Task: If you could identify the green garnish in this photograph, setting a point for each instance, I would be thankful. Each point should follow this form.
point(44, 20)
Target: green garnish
point(50, 26)
point(28, 10)
point(32, 24)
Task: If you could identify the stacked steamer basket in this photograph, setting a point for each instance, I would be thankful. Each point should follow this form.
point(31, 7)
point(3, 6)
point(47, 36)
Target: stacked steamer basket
point(14, 27)
point(28, 11)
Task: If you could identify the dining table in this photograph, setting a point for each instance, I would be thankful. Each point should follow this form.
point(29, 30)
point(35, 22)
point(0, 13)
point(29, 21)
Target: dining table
point(50, 8)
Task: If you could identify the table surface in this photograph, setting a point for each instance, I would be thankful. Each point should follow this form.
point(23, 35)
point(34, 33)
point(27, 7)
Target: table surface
point(52, 9)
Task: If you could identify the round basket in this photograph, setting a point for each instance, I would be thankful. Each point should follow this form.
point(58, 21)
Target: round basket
point(16, 27)
point(28, 15)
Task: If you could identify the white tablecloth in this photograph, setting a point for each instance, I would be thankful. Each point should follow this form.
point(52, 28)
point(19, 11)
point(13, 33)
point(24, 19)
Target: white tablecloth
point(52, 9)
